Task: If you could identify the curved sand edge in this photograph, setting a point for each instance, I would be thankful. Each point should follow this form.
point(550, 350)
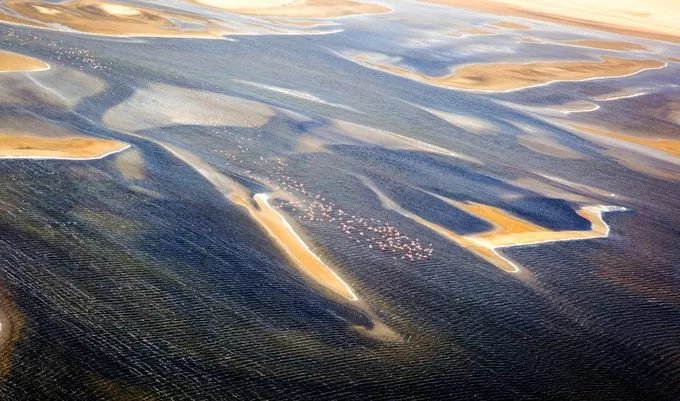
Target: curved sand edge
point(15, 62)
point(58, 148)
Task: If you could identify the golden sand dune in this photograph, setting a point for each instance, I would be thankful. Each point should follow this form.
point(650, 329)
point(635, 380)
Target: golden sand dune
point(109, 18)
point(606, 45)
point(68, 148)
point(14, 62)
point(161, 105)
point(655, 19)
point(505, 77)
point(57, 87)
point(508, 230)
point(297, 8)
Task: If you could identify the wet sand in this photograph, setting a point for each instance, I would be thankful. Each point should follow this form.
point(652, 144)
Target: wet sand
point(670, 146)
point(161, 105)
point(297, 8)
point(547, 146)
point(111, 19)
point(606, 45)
point(14, 62)
point(507, 77)
point(655, 19)
point(67, 148)
point(509, 25)
point(507, 231)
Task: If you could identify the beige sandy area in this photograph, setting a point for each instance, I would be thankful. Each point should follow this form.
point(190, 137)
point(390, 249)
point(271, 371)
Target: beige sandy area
point(472, 124)
point(670, 146)
point(509, 25)
point(131, 165)
point(508, 230)
point(656, 19)
point(14, 62)
point(606, 45)
point(160, 105)
point(297, 8)
point(504, 77)
point(14, 146)
point(110, 18)
point(547, 146)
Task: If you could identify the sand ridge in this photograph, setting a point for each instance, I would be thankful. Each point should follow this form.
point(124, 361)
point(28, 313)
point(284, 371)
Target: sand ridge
point(15, 62)
point(111, 18)
point(13, 146)
point(508, 77)
point(508, 230)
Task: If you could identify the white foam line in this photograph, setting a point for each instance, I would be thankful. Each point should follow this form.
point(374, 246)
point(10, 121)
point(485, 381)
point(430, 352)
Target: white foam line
point(607, 99)
point(126, 147)
point(265, 199)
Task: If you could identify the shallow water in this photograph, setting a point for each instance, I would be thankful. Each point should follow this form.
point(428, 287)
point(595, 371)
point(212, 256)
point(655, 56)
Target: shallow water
point(161, 288)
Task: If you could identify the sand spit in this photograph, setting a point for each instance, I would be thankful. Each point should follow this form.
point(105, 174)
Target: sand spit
point(508, 230)
point(64, 148)
point(160, 105)
point(508, 77)
point(296, 8)
point(110, 19)
point(655, 19)
point(670, 146)
point(393, 140)
point(14, 62)
point(606, 45)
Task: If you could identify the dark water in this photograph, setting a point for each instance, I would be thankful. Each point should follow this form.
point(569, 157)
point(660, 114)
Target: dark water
point(161, 289)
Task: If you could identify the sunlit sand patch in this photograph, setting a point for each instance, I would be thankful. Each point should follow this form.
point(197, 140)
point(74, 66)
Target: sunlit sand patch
point(297, 8)
point(160, 105)
point(131, 165)
point(508, 230)
point(544, 144)
point(14, 62)
point(606, 45)
point(297, 94)
point(14, 146)
point(395, 141)
point(507, 77)
point(110, 18)
point(670, 146)
point(58, 87)
point(656, 19)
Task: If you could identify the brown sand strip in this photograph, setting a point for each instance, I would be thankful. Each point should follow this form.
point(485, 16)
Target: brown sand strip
point(14, 62)
point(69, 148)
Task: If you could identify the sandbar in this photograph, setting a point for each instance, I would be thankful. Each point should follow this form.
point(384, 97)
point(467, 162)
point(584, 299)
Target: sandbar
point(655, 19)
point(605, 45)
point(296, 8)
point(508, 230)
point(507, 77)
point(670, 146)
point(110, 19)
point(14, 62)
point(14, 146)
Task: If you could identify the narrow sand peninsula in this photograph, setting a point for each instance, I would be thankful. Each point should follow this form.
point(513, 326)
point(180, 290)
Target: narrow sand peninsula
point(656, 19)
point(14, 62)
point(669, 146)
point(160, 105)
point(507, 77)
point(606, 45)
point(507, 231)
point(296, 8)
point(110, 18)
point(67, 148)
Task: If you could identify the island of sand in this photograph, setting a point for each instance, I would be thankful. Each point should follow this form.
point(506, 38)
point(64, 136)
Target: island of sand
point(14, 62)
point(110, 19)
point(13, 146)
point(505, 77)
point(507, 230)
point(296, 8)
point(655, 19)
